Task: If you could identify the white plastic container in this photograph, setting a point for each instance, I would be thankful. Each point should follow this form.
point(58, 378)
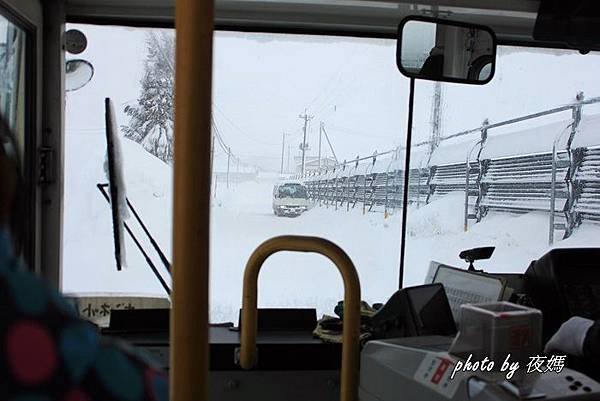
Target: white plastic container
point(495, 330)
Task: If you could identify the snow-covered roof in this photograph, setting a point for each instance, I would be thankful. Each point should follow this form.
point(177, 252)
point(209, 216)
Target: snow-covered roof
point(288, 181)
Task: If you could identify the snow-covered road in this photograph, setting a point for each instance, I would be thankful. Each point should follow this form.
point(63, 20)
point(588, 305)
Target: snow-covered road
point(245, 218)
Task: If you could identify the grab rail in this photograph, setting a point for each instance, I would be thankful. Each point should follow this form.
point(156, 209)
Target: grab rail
point(351, 318)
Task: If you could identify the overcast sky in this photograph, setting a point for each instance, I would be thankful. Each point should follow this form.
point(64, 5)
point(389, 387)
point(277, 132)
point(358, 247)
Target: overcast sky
point(263, 82)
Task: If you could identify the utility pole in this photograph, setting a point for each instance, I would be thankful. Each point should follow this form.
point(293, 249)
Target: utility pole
point(436, 117)
point(282, 152)
point(306, 119)
point(288, 158)
point(320, 136)
point(228, 160)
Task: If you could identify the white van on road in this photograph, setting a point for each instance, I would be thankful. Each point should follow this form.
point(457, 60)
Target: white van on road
point(290, 198)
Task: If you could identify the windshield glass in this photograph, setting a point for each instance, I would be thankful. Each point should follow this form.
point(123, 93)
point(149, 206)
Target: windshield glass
point(292, 191)
point(330, 113)
point(506, 198)
point(267, 128)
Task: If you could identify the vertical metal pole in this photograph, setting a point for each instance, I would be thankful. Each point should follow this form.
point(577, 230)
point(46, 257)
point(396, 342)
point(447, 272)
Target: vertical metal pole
point(228, 160)
point(320, 137)
point(282, 152)
point(327, 187)
point(385, 207)
point(467, 183)
point(411, 103)
point(468, 174)
point(570, 213)
point(431, 173)
point(436, 117)
point(348, 187)
point(305, 117)
point(365, 191)
point(303, 149)
point(482, 170)
point(49, 238)
point(288, 158)
point(335, 191)
point(320, 189)
point(419, 187)
point(212, 150)
point(212, 158)
point(466, 219)
point(552, 196)
point(191, 201)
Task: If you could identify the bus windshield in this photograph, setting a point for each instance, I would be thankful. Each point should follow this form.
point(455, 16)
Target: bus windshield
point(329, 114)
point(267, 129)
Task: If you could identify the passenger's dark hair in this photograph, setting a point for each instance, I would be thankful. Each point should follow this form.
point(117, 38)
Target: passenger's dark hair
point(16, 216)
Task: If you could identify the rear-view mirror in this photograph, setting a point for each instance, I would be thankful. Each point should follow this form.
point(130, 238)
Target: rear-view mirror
point(440, 50)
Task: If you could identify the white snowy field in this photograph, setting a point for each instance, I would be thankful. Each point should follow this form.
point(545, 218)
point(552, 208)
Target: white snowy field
point(242, 218)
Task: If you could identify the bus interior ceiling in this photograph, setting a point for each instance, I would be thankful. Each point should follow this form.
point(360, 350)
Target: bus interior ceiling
point(512, 21)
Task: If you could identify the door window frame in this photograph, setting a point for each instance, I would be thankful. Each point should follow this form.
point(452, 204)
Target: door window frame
point(29, 146)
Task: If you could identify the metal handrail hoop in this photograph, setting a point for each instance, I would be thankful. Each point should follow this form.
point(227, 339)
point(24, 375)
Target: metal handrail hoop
point(351, 318)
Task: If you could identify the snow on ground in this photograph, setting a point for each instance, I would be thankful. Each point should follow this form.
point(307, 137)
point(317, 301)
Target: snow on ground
point(291, 279)
point(242, 217)
point(518, 239)
point(88, 250)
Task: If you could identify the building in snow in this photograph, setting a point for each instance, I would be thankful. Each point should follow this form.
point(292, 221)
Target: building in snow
point(312, 163)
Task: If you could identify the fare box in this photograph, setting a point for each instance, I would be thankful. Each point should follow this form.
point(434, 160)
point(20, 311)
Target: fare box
point(434, 372)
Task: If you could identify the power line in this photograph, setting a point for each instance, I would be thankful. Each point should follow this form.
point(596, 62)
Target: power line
point(352, 132)
point(340, 83)
point(337, 74)
point(341, 89)
point(328, 141)
point(234, 125)
point(231, 157)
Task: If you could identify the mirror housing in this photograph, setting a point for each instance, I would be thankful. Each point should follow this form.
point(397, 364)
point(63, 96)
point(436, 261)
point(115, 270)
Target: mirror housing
point(471, 255)
point(446, 51)
point(78, 73)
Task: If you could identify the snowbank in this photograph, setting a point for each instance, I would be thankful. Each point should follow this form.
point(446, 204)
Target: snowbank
point(439, 217)
point(518, 238)
point(88, 251)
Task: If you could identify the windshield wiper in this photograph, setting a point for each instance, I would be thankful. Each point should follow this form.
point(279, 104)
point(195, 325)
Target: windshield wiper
point(119, 201)
point(102, 188)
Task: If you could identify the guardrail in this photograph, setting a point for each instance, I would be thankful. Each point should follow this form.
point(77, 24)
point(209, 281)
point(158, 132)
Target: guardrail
point(565, 183)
